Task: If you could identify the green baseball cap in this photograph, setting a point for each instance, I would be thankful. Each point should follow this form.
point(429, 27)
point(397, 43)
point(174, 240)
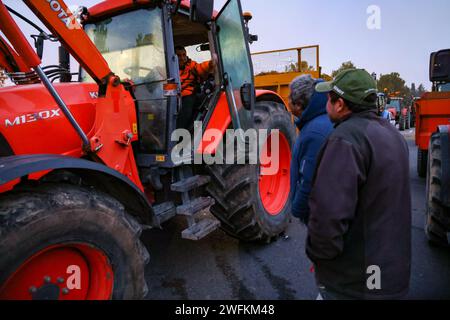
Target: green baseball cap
point(354, 85)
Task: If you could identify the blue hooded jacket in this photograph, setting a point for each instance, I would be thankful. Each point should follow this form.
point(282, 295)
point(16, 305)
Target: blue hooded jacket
point(315, 127)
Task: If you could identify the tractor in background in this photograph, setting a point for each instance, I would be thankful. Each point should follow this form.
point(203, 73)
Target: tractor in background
point(431, 110)
point(433, 141)
point(394, 105)
point(402, 113)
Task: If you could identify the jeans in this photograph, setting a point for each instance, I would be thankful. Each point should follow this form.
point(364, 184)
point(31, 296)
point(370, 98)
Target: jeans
point(185, 119)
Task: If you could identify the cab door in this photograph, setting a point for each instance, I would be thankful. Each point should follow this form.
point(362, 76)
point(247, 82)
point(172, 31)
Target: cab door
point(235, 64)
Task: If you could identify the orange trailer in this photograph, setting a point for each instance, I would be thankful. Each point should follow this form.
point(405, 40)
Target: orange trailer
point(432, 111)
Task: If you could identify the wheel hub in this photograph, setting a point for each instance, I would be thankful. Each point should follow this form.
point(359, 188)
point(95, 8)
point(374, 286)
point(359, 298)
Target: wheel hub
point(274, 188)
point(46, 292)
point(78, 271)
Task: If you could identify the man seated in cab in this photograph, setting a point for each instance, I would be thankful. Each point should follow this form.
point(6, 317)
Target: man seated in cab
point(192, 74)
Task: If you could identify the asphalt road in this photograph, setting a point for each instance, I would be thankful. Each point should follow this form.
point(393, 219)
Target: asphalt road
point(220, 267)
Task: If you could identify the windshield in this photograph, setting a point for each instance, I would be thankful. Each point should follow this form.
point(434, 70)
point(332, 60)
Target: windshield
point(132, 44)
point(395, 104)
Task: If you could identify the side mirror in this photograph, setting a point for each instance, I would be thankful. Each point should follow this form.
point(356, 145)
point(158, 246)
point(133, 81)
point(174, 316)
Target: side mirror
point(247, 17)
point(247, 96)
point(440, 66)
point(201, 10)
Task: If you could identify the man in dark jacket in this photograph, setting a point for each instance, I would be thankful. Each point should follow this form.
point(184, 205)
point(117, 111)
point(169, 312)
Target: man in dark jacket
point(359, 233)
point(315, 126)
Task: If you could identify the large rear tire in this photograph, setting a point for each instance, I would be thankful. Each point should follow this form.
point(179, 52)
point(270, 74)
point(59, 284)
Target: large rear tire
point(252, 207)
point(437, 222)
point(422, 156)
point(50, 231)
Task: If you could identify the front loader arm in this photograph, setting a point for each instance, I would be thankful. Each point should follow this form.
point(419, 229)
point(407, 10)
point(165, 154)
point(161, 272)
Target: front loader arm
point(10, 60)
point(63, 24)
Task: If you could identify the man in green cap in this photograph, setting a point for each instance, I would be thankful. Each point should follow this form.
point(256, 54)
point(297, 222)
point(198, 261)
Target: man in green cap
point(359, 233)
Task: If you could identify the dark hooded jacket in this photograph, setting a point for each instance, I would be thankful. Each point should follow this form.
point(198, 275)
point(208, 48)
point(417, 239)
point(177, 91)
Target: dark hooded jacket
point(315, 127)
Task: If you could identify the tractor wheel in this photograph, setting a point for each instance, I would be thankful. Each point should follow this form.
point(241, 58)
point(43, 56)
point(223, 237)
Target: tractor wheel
point(251, 206)
point(408, 120)
point(437, 222)
point(422, 156)
point(69, 243)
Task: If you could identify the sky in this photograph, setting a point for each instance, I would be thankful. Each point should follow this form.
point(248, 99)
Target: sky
point(406, 32)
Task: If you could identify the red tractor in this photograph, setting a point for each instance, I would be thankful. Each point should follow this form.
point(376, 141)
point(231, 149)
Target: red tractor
point(432, 139)
point(401, 112)
point(86, 165)
point(394, 107)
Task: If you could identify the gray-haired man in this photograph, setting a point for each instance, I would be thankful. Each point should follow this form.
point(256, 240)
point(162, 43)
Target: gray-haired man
point(309, 107)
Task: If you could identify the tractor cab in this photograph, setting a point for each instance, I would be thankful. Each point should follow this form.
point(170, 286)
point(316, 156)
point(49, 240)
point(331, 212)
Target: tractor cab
point(440, 70)
point(394, 106)
point(138, 41)
point(443, 87)
point(395, 103)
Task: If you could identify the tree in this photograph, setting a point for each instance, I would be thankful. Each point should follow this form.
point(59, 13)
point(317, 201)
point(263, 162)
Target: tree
point(421, 90)
point(393, 84)
point(345, 66)
point(306, 67)
point(326, 77)
point(293, 67)
point(413, 89)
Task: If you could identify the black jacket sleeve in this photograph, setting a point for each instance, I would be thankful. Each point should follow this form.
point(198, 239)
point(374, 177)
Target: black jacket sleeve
point(334, 198)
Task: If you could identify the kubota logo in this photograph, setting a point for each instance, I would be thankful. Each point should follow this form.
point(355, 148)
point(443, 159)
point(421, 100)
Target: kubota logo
point(67, 18)
point(32, 117)
point(94, 95)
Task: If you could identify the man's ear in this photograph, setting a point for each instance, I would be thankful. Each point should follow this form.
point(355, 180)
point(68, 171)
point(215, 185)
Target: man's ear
point(340, 106)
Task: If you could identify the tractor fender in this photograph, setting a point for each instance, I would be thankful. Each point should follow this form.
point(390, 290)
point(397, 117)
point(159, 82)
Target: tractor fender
point(91, 174)
point(444, 131)
point(221, 118)
point(267, 95)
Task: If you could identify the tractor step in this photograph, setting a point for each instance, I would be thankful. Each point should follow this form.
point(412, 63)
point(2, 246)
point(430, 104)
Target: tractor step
point(195, 206)
point(165, 211)
point(200, 229)
point(190, 183)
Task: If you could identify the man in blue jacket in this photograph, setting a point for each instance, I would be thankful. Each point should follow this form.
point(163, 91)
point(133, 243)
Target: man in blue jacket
point(315, 126)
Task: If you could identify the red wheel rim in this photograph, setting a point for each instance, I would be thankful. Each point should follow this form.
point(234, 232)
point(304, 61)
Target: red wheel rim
point(63, 272)
point(274, 187)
